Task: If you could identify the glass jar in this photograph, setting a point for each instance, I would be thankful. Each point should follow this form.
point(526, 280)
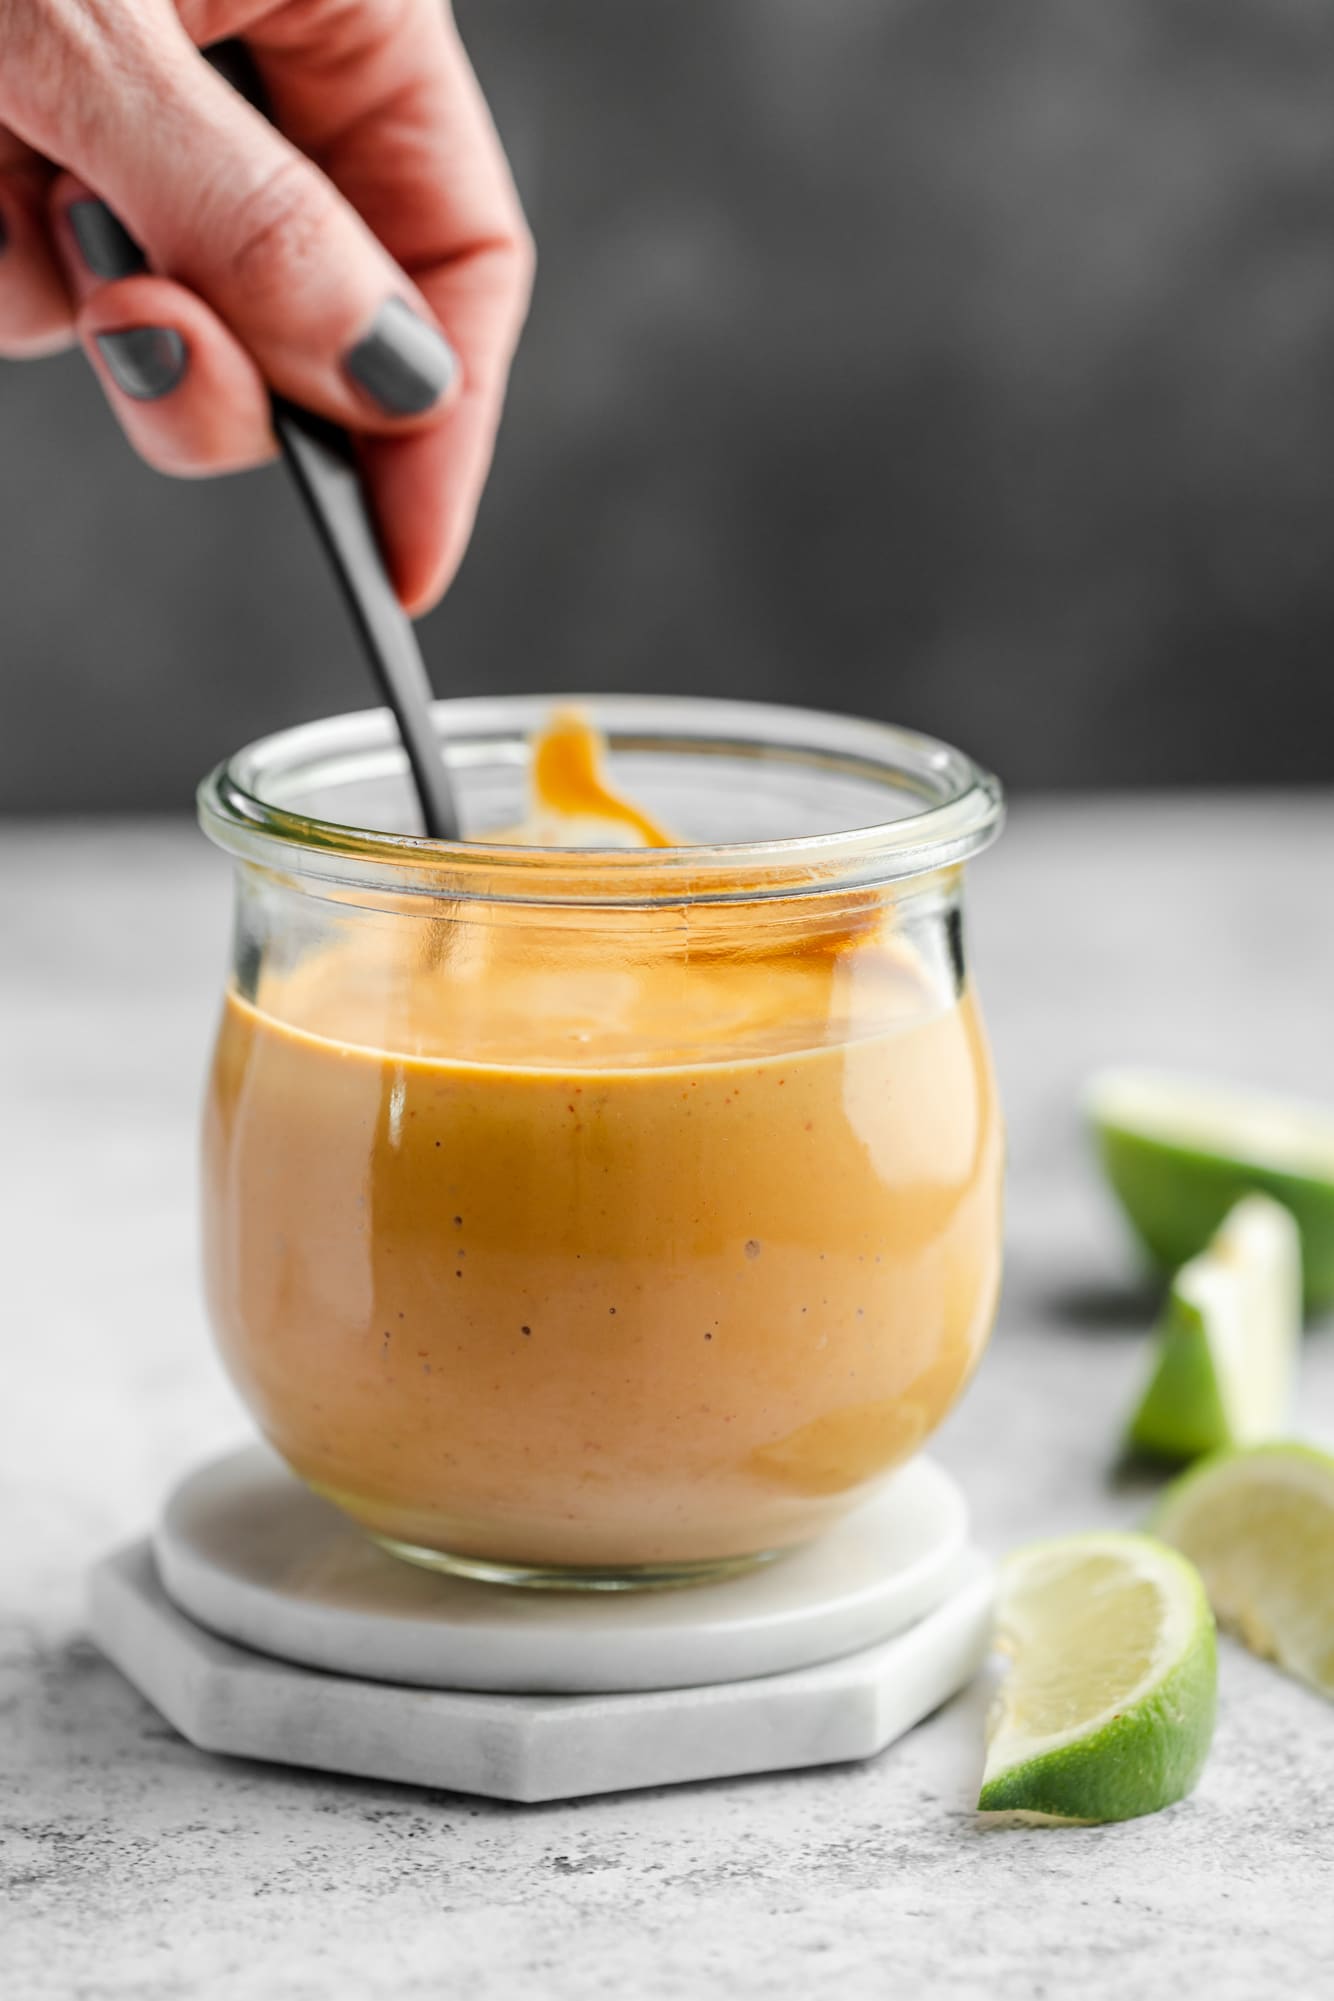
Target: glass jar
point(602, 1218)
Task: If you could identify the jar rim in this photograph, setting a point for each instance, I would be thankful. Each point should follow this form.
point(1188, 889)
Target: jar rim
point(961, 810)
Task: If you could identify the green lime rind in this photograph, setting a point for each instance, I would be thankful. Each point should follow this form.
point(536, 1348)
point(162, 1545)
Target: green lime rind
point(1147, 1756)
point(1258, 1522)
point(1181, 1414)
point(1175, 1197)
point(1225, 1345)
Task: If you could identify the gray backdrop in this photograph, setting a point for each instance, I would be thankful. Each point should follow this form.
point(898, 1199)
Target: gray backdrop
point(967, 362)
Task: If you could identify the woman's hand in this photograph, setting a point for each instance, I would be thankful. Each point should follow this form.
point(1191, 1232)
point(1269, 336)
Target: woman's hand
point(328, 258)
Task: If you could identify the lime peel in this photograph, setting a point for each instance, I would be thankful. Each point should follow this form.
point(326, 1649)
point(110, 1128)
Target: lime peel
point(1108, 1710)
point(1179, 1153)
point(1227, 1341)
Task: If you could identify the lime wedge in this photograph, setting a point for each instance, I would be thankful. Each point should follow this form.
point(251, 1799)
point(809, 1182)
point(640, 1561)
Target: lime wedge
point(1260, 1525)
point(1179, 1154)
point(1227, 1341)
point(1108, 1709)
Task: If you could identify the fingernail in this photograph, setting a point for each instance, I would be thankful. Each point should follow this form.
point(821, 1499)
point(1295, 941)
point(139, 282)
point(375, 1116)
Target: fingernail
point(105, 244)
point(403, 364)
point(146, 362)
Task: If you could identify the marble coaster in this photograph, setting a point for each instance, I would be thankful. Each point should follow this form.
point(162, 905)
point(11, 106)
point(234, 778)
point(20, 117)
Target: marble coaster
point(230, 1699)
point(248, 1552)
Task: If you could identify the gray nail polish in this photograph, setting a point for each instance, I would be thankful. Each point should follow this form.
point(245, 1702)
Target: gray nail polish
point(105, 244)
point(403, 364)
point(146, 362)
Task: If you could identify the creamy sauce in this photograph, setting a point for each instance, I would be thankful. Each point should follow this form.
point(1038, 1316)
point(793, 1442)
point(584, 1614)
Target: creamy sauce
point(569, 783)
point(646, 1241)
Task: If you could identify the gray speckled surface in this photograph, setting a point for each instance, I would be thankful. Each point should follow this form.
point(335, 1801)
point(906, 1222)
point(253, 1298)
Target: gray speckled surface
point(1186, 931)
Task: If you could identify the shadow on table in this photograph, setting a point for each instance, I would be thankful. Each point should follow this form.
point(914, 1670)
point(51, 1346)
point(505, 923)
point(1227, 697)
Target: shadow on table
point(1139, 1478)
point(1112, 1307)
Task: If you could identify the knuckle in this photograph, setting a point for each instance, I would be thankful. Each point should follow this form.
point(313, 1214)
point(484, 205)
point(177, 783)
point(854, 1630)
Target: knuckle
point(503, 272)
point(278, 234)
point(34, 345)
point(36, 317)
point(161, 458)
point(525, 264)
point(180, 452)
point(157, 444)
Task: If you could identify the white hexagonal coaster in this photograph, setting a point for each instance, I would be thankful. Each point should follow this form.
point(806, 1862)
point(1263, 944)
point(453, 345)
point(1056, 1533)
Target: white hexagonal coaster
point(228, 1698)
point(250, 1553)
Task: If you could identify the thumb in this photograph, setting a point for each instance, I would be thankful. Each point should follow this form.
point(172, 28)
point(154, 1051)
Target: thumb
point(224, 204)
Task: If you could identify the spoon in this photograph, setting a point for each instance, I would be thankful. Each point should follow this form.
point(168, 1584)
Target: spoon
point(320, 458)
point(322, 462)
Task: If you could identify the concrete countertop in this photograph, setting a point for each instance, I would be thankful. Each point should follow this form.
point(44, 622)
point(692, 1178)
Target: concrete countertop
point(1192, 931)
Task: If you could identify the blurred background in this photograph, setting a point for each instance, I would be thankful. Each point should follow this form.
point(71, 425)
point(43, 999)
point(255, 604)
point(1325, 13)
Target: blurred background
point(961, 364)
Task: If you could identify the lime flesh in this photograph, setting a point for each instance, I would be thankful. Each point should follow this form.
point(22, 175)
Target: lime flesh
point(1259, 1525)
point(1108, 1709)
point(1180, 1154)
point(1227, 1341)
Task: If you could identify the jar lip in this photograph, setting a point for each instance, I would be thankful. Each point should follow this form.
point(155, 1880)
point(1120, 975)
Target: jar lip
point(961, 813)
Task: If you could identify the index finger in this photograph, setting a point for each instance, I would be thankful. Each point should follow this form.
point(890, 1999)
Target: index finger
point(384, 100)
point(36, 312)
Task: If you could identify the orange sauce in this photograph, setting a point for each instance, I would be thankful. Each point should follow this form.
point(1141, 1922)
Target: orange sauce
point(568, 781)
point(603, 1247)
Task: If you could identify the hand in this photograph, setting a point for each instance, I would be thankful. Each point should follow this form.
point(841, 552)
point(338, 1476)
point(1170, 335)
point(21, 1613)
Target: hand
point(320, 256)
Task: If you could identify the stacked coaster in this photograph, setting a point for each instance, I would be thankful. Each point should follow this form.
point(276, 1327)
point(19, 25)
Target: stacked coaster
point(263, 1624)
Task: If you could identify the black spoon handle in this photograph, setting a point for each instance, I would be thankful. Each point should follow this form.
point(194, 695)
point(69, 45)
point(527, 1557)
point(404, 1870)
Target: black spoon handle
point(319, 455)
